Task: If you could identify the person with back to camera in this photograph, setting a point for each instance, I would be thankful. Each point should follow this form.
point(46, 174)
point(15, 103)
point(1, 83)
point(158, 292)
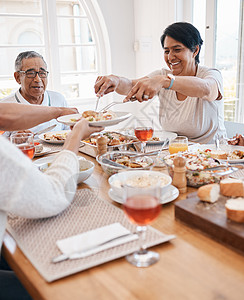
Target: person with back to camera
point(32, 75)
point(24, 190)
point(190, 95)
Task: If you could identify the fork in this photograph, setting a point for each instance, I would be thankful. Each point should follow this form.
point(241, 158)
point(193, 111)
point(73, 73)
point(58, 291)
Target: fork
point(116, 102)
point(110, 105)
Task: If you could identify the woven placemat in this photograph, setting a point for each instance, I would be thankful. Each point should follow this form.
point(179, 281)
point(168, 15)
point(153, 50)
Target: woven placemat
point(37, 238)
point(238, 174)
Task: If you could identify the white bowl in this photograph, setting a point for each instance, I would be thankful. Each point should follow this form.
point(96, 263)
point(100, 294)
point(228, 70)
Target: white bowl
point(86, 167)
point(116, 181)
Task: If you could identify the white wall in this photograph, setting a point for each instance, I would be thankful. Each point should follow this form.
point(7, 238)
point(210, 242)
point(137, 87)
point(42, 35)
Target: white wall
point(119, 18)
point(135, 28)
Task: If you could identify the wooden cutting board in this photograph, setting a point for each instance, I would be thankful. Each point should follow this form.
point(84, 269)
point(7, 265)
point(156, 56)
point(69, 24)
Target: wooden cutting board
point(211, 219)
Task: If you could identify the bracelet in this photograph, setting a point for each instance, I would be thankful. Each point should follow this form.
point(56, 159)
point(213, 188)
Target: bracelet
point(172, 77)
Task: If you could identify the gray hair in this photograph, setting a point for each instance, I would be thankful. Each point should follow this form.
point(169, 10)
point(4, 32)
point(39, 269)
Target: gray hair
point(25, 55)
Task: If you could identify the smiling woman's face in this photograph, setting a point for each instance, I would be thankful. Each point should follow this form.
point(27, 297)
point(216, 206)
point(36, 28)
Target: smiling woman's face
point(179, 58)
point(32, 89)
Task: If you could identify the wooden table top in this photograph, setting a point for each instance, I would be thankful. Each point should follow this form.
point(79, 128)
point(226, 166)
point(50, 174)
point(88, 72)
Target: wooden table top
point(192, 266)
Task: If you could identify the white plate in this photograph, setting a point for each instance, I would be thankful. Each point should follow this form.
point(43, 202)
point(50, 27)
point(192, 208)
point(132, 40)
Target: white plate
point(162, 135)
point(226, 148)
point(171, 194)
point(41, 136)
point(44, 151)
point(121, 116)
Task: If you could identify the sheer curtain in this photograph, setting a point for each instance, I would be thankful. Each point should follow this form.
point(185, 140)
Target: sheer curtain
point(240, 84)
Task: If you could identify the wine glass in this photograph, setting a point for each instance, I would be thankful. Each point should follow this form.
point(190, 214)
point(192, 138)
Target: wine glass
point(143, 131)
point(25, 142)
point(142, 206)
point(180, 143)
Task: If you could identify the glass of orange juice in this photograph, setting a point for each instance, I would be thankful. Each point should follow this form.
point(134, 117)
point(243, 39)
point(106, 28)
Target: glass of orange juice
point(180, 143)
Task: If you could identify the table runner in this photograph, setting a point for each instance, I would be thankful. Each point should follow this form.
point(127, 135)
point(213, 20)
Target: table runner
point(37, 238)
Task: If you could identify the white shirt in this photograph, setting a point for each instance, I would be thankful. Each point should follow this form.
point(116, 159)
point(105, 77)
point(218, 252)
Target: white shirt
point(200, 120)
point(27, 192)
point(50, 99)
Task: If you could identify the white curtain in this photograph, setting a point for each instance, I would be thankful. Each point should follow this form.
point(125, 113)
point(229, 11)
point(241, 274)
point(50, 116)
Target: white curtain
point(240, 81)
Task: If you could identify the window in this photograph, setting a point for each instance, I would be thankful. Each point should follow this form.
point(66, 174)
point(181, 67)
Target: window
point(220, 30)
point(68, 33)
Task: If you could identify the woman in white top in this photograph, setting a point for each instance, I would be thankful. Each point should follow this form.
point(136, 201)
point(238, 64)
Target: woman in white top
point(27, 192)
point(191, 96)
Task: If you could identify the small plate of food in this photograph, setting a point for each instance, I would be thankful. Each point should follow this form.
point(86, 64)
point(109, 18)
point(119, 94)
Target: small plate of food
point(228, 153)
point(160, 136)
point(40, 149)
point(105, 118)
point(54, 137)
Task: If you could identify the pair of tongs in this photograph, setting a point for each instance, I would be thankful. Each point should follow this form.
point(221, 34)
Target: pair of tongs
point(227, 169)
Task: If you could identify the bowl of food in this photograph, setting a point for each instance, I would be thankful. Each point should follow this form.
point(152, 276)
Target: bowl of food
point(115, 161)
point(142, 178)
point(86, 167)
point(197, 165)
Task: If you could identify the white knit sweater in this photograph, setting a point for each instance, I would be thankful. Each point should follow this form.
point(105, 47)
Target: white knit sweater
point(27, 192)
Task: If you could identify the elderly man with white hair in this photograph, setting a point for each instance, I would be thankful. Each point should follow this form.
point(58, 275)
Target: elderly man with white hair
point(32, 75)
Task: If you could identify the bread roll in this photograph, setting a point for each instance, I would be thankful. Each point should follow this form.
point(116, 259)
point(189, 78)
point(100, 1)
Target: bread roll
point(235, 209)
point(209, 192)
point(231, 187)
point(219, 154)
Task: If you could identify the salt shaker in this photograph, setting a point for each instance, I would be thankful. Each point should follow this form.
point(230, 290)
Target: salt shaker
point(101, 145)
point(179, 177)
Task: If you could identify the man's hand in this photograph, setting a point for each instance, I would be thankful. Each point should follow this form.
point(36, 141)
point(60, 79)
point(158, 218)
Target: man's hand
point(68, 111)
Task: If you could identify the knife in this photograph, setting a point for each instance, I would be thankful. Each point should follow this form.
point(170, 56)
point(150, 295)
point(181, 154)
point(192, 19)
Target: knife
point(45, 129)
point(63, 257)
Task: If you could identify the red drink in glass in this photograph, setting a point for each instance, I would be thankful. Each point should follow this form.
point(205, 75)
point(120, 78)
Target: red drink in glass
point(142, 209)
point(144, 133)
point(28, 150)
point(24, 141)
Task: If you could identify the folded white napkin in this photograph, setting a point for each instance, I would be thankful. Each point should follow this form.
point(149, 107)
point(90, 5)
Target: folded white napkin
point(79, 246)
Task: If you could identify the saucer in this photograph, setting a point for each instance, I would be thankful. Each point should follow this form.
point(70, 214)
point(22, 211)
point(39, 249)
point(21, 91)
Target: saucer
point(171, 194)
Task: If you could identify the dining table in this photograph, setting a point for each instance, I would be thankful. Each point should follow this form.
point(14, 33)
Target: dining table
point(191, 266)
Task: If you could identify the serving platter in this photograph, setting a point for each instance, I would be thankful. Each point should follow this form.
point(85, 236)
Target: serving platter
point(121, 116)
point(131, 143)
point(52, 135)
point(171, 194)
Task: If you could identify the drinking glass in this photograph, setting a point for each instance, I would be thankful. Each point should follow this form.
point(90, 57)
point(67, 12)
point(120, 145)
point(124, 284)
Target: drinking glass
point(180, 143)
point(25, 142)
point(143, 131)
point(142, 206)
